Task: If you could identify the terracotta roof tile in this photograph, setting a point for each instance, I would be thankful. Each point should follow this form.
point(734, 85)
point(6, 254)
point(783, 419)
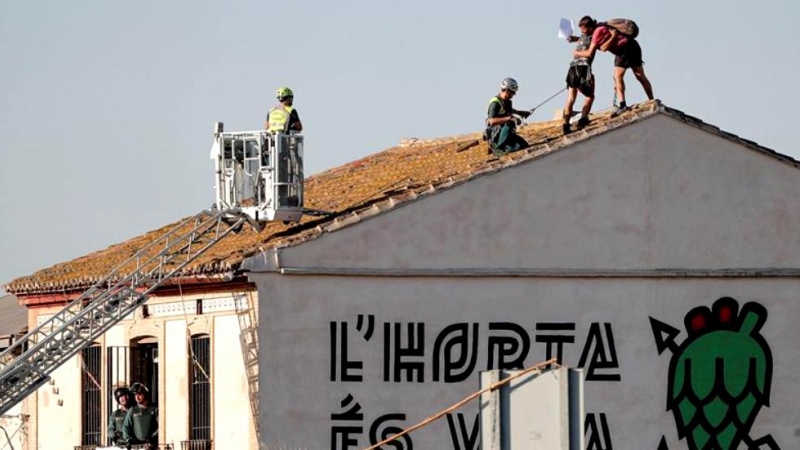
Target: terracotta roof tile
point(350, 192)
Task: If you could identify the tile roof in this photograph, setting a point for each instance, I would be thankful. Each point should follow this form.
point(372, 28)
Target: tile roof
point(360, 189)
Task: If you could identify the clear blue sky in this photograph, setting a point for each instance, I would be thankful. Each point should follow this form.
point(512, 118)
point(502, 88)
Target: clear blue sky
point(107, 107)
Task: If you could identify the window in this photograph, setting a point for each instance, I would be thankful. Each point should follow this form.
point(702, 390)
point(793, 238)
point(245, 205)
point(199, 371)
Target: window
point(117, 370)
point(91, 406)
point(144, 366)
point(200, 388)
point(127, 365)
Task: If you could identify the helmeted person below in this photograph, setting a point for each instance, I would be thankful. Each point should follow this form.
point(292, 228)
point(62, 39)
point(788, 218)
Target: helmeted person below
point(283, 118)
point(502, 121)
point(117, 418)
point(141, 422)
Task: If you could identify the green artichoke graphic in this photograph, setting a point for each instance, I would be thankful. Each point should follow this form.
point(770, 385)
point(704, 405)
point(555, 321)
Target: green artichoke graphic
point(719, 376)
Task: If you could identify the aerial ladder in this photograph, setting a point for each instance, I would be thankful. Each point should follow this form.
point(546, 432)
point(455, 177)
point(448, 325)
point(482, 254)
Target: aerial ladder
point(248, 339)
point(259, 178)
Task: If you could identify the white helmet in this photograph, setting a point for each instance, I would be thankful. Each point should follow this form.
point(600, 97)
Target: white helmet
point(509, 84)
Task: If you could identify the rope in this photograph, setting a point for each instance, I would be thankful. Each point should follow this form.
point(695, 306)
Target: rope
point(85, 369)
point(8, 438)
point(195, 362)
point(467, 399)
point(548, 99)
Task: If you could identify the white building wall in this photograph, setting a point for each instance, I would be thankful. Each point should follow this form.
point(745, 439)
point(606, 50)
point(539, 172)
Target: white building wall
point(176, 382)
point(14, 432)
point(116, 337)
point(299, 393)
point(59, 402)
point(655, 197)
point(233, 421)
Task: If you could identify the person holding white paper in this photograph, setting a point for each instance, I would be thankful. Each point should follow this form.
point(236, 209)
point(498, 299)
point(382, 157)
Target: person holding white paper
point(580, 77)
point(565, 29)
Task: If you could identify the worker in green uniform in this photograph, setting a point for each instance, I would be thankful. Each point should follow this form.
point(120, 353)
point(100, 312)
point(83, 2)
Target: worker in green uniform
point(283, 118)
point(502, 120)
point(141, 422)
point(123, 397)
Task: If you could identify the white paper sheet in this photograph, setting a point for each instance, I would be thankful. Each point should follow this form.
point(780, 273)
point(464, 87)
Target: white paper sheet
point(565, 29)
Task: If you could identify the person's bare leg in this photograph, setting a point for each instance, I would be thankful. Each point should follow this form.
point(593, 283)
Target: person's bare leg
point(572, 96)
point(619, 83)
point(648, 88)
point(587, 103)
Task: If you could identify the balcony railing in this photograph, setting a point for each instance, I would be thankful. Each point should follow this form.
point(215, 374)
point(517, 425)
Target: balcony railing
point(197, 444)
point(132, 447)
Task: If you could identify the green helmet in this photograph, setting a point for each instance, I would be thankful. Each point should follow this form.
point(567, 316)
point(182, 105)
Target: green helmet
point(284, 92)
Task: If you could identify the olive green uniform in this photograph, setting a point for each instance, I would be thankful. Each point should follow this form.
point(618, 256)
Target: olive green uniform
point(141, 425)
point(115, 423)
point(502, 138)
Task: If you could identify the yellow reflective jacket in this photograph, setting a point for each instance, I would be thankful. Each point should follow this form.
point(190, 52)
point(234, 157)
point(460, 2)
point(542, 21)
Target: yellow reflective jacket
point(278, 119)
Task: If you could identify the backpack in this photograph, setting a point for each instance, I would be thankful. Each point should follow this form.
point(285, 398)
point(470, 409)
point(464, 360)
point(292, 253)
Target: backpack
point(624, 26)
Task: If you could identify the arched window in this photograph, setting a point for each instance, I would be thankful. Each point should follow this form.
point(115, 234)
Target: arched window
point(136, 362)
point(144, 362)
point(200, 388)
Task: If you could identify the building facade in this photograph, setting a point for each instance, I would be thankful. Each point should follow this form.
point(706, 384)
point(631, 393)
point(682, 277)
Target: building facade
point(662, 257)
point(178, 346)
point(655, 251)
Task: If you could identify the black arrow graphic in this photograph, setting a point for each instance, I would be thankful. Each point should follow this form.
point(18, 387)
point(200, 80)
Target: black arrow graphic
point(665, 336)
point(767, 440)
point(663, 444)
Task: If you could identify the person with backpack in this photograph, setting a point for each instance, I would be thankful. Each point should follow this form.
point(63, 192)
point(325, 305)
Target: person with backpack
point(580, 78)
point(502, 121)
point(607, 37)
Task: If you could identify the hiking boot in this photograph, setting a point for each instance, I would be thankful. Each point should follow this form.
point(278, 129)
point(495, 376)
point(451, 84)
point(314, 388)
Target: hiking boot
point(566, 128)
point(583, 122)
point(619, 110)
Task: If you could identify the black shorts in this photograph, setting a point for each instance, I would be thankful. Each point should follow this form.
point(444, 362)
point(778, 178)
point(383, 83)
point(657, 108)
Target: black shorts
point(580, 77)
point(630, 56)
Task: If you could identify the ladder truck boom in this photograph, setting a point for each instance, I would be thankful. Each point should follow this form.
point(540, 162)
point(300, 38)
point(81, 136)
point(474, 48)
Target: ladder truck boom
point(110, 300)
point(263, 182)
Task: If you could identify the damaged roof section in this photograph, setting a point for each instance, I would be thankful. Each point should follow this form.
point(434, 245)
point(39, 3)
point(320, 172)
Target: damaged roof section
point(358, 190)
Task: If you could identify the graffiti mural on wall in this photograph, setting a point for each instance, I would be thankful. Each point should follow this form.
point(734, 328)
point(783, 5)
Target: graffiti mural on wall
point(719, 379)
point(719, 376)
point(456, 353)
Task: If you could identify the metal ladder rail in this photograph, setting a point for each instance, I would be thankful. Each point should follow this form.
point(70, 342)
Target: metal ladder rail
point(104, 285)
point(125, 299)
point(248, 338)
point(118, 291)
point(32, 368)
point(99, 287)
